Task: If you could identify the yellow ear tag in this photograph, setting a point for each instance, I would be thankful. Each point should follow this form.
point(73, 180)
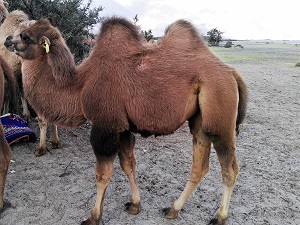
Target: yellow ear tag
point(47, 47)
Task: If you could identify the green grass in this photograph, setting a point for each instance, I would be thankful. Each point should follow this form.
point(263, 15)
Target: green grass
point(297, 64)
point(256, 52)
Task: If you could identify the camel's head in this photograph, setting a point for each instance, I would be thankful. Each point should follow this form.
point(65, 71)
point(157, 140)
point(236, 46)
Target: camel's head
point(3, 11)
point(33, 39)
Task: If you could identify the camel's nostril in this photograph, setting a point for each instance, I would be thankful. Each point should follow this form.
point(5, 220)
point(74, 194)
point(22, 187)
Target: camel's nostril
point(9, 38)
point(8, 43)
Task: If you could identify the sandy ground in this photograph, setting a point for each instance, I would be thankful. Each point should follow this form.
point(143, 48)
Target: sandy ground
point(58, 188)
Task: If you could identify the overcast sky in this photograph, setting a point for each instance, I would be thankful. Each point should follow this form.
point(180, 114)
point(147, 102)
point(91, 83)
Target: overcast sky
point(238, 19)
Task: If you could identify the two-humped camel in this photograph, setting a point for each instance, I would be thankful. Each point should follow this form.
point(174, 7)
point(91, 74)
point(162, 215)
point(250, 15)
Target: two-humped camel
point(15, 21)
point(125, 87)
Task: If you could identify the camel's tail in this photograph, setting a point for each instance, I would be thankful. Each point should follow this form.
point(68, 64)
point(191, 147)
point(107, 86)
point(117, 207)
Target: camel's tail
point(242, 89)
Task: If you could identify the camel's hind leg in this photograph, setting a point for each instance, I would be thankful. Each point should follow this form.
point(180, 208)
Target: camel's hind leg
point(5, 156)
point(200, 166)
point(128, 164)
point(226, 151)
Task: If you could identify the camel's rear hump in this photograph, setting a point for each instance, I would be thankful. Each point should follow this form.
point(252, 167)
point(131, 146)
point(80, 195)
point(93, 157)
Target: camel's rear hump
point(182, 36)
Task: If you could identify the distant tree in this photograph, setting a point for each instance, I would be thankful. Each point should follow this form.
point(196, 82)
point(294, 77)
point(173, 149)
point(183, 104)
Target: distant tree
point(214, 36)
point(74, 18)
point(228, 44)
point(148, 35)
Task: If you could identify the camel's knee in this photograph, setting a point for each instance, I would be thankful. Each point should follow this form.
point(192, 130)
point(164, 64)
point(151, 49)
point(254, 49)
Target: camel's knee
point(25, 112)
point(197, 174)
point(104, 170)
point(197, 177)
point(229, 173)
point(42, 123)
point(201, 153)
point(226, 152)
point(128, 164)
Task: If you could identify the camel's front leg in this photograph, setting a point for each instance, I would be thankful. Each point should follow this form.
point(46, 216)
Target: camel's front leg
point(41, 150)
point(43, 132)
point(106, 146)
point(103, 172)
point(128, 164)
point(5, 156)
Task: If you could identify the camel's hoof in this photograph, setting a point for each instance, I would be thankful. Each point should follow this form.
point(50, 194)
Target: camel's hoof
point(56, 145)
point(170, 213)
point(90, 222)
point(40, 152)
point(215, 221)
point(6, 205)
point(133, 208)
point(86, 222)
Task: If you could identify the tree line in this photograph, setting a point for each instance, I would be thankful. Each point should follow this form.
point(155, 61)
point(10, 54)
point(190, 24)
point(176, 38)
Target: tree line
point(76, 19)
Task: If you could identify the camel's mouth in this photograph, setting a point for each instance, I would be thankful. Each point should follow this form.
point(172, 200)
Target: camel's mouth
point(2, 20)
point(10, 45)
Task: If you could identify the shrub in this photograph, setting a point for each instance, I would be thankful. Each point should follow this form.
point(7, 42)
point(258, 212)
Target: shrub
point(228, 44)
point(239, 46)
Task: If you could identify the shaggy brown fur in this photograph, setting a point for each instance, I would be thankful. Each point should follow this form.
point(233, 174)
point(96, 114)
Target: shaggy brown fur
point(5, 151)
point(125, 86)
point(16, 21)
point(9, 26)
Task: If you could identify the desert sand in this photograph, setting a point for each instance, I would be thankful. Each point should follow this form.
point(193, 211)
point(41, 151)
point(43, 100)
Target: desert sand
point(59, 188)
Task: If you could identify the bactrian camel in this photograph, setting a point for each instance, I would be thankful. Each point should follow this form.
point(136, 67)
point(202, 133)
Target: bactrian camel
point(16, 21)
point(125, 87)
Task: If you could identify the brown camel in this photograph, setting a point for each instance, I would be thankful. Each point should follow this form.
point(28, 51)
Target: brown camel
point(125, 87)
point(16, 21)
point(5, 151)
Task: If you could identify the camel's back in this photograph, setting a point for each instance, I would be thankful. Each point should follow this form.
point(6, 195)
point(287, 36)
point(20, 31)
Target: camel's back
point(152, 89)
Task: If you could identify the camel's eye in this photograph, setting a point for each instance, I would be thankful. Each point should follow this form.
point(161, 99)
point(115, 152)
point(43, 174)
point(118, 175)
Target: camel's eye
point(25, 38)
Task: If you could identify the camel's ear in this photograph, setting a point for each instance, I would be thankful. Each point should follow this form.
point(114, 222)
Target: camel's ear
point(6, 4)
point(45, 42)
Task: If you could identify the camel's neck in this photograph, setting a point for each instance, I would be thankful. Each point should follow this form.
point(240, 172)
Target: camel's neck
point(57, 99)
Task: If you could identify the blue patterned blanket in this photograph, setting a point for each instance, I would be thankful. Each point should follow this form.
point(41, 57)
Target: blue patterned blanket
point(16, 129)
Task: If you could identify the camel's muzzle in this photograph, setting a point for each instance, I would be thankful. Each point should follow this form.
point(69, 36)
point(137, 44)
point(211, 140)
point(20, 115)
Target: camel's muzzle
point(9, 44)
